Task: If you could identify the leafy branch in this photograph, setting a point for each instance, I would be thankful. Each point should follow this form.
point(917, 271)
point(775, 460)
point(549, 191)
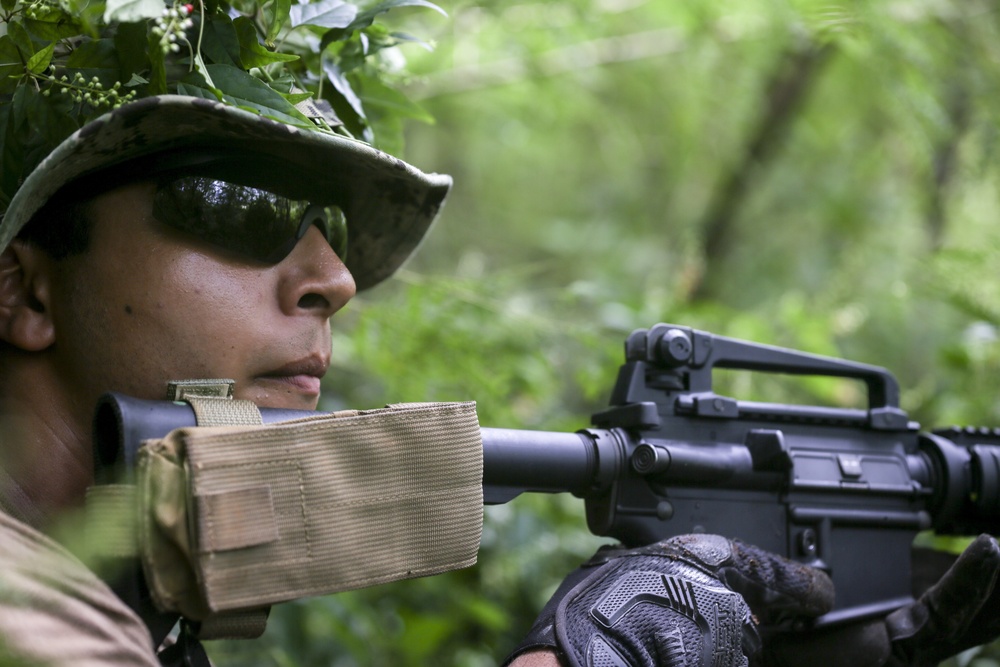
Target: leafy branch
point(64, 62)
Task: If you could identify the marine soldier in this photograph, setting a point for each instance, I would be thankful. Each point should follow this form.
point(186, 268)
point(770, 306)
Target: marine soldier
point(182, 237)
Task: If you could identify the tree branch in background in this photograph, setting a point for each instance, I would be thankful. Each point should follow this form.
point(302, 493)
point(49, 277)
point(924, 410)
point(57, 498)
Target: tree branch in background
point(787, 89)
point(944, 160)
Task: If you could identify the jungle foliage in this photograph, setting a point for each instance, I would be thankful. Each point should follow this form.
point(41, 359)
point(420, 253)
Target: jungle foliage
point(64, 63)
point(810, 174)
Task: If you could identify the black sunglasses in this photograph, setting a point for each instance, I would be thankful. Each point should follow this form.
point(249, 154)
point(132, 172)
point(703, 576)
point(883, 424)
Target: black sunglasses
point(251, 222)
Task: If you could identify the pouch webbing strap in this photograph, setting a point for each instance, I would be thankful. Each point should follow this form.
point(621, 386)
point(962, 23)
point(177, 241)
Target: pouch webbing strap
point(244, 624)
point(226, 411)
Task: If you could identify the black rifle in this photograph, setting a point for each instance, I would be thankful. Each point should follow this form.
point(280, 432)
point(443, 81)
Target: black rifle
point(845, 490)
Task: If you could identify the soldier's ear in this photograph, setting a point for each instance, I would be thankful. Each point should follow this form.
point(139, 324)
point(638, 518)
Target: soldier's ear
point(25, 297)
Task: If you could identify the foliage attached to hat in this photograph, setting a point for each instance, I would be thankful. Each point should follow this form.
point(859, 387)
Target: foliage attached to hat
point(315, 65)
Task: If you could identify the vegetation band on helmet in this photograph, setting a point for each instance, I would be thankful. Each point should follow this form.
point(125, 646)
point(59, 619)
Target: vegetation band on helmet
point(89, 87)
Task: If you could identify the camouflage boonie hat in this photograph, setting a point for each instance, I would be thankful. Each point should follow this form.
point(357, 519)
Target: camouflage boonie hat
point(389, 204)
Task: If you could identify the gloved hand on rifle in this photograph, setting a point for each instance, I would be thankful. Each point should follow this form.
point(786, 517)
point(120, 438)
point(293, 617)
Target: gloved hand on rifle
point(960, 611)
point(696, 600)
point(686, 601)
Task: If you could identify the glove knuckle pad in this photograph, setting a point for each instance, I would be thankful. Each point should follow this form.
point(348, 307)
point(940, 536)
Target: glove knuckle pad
point(659, 612)
point(709, 551)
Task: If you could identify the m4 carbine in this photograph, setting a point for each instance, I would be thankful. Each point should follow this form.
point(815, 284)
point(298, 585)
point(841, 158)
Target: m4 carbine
point(845, 490)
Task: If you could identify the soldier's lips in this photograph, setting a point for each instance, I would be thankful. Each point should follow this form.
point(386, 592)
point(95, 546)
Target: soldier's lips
point(303, 375)
point(306, 384)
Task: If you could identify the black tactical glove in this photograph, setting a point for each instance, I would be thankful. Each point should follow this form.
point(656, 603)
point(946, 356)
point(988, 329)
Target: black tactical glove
point(683, 602)
point(961, 611)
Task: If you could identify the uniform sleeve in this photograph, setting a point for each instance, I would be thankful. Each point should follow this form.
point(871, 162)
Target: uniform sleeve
point(54, 611)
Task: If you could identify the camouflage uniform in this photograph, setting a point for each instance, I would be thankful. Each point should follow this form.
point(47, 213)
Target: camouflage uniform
point(55, 611)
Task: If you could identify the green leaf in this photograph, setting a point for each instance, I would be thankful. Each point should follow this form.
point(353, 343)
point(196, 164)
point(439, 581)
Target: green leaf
point(240, 89)
point(195, 85)
point(157, 67)
point(221, 44)
point(19, 105)
point(10, 155)
point(406, 37)
point(340, 83)
point(295, 98)
point(8, 5)
point(39, 123)
point(39, 62)
point(388, 132)
point(132, 10)
point(252, 52)
point(367, 17)
point(284, 83)
point(201, 71)
point(326, 14)
point(374, 93)
point(98, 53)
point(22, 40)
point(130, 46)
point(89, 13)
point(279, 11)
point(351, 56)
point(136, 80)
point(192, 90)
point(51, 118)
point(52, 24)
point(10, 63)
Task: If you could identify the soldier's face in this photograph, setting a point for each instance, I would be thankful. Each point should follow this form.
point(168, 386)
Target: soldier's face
point(146, 304)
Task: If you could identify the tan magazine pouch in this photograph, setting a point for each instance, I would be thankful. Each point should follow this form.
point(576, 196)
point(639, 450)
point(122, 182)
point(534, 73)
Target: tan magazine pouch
point(241, 517)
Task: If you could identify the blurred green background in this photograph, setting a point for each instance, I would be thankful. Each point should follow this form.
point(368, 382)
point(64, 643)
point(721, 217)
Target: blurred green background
point(814, 175)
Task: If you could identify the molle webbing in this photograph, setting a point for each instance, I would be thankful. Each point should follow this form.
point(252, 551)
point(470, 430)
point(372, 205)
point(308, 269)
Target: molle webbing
point(214, 405)
point(246, 516)
point(222, 412)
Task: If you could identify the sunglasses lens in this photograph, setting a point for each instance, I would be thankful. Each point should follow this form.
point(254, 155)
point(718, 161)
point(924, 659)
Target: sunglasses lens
point(249, 221)
point(331, 221)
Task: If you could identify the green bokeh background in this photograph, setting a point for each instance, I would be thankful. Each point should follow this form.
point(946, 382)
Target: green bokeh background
point(808, 174)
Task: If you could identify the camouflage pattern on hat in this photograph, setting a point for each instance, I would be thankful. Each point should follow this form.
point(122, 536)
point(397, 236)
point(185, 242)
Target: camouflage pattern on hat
point(389, 204)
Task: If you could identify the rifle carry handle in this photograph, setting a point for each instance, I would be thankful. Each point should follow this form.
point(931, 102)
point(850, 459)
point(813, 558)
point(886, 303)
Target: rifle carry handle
point(684, 359)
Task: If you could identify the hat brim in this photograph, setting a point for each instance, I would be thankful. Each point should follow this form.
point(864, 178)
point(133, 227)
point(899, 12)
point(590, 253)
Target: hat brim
point(389, 204)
